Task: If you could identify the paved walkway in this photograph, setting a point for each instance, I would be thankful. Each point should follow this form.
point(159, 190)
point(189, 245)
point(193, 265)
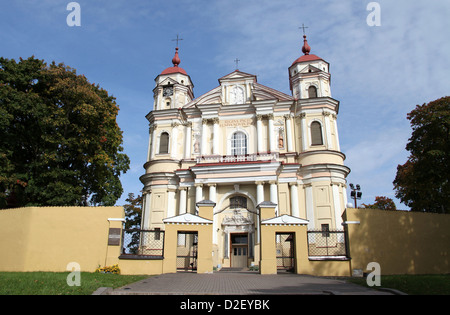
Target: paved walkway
point(242, 283)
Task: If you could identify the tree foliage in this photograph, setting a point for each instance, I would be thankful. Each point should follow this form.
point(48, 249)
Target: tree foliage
point(60, 142)
point(422, 183)
point(133, 211)
point(382, 203)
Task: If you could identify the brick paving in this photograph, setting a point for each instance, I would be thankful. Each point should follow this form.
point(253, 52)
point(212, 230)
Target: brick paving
point(241, 283)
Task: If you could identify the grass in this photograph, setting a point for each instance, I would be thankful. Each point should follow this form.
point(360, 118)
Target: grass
point(413, 284)
point(55, 283)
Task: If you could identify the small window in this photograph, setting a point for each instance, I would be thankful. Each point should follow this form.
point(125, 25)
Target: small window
point(239, 143)
point(312, 92)
point(164, 143)
point(325, 230)
point(238, 202)
point(316, 134)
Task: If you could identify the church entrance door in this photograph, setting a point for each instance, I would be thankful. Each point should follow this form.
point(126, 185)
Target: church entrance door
point(239, 250)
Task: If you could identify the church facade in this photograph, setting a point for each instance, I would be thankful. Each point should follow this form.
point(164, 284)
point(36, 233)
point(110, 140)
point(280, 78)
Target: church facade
point(242, 144)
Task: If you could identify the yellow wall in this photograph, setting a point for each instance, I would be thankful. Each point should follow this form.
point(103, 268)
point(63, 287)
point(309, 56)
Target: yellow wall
point(49, 238)
point(401, 242)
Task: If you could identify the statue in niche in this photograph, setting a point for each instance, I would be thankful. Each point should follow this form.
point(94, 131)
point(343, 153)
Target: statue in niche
point(280, 138)
point(237, 95)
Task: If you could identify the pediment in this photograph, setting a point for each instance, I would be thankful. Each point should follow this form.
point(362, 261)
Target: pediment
point(237, 75)
point(261, 92)
point(187, 218)
point(286, 219)
point(310, 69)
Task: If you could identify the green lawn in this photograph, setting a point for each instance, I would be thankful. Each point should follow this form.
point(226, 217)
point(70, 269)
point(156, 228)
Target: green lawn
point(54, 283)
point(413, 284)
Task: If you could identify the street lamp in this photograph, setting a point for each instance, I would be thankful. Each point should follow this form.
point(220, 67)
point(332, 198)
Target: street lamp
point(355, 193)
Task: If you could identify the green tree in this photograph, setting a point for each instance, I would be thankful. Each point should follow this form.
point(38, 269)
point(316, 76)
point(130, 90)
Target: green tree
point(60, 142)
point(133, 214)
point(422, 183)
point(133, 211)
point(382, 203)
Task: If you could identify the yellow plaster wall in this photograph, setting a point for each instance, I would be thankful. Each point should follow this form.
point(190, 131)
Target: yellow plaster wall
point(401, 242)
point(49, 238)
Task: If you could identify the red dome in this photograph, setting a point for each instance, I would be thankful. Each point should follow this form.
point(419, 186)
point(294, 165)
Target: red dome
point(175, 69)
point(306, 49)
point(307, 58)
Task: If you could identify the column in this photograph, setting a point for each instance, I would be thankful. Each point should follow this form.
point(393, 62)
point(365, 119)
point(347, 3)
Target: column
point(150, 142)
point(146, 215)
point(304, 132)
point(328, 130)
point(259, 133)
point(295, 211)
point(183, 192)
point(174, 150)
point(212, 197)
point(204, 128)
point(153, 148)
point(259, 199)
point(290, 147)
point(337, 205)
point(171, 204)
point(271, 134)
point(187, 146)
point(216, 138)
point(198, 193)
point(309, 206)
point(338, 147)
point(274, 195)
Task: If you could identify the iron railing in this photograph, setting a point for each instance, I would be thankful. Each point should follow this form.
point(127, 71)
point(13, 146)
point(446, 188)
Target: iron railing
point(142, 243)
point(327, 243)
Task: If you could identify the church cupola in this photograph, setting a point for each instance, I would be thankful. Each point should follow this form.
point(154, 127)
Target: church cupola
point(174, 87)
point(309, 75)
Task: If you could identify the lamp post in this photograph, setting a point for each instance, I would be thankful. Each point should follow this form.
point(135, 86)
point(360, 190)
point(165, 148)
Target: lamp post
point(355, 193)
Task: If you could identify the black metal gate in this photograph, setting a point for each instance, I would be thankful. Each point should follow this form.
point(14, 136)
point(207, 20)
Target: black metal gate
point(285, 247)
point(187, 248)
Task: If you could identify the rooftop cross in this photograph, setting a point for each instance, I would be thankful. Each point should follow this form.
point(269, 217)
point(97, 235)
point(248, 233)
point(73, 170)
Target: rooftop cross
point(237, 63)
point(304, 27)
point(177, 40)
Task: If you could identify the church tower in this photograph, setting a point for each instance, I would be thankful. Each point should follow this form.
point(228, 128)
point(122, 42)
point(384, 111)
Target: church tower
point(323, 172)
point(174, 87)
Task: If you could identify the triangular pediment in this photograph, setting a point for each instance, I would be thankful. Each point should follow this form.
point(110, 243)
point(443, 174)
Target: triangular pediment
point(310, 69)
point(187, 218)
point(286, 219)
point(237, 75)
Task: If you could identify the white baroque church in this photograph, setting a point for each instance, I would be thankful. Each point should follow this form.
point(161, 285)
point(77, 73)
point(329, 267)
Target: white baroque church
point(239, 145)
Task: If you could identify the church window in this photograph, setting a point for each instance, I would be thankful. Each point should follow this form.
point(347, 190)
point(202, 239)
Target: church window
point(239, 143)
point(312, 92)
point(316, 133)
point(238, 202)
point(164, 143)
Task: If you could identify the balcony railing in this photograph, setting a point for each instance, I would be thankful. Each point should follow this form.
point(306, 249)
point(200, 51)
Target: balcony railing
point(268, 156)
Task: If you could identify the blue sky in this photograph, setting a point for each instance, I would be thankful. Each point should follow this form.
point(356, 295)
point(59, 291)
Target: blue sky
point(379, 73)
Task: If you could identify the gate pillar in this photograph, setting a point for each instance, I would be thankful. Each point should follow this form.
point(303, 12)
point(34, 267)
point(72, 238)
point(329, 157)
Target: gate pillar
point(188, 222)
point(270, 226)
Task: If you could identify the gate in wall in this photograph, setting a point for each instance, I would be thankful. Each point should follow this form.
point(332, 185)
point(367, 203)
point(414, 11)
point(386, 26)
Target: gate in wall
point(187, 251)
point(285, 248)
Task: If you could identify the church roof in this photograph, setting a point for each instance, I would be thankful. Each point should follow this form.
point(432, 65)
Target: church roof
point(306, 49)
point(259, 91)
point(306, 58)
point(175, 69)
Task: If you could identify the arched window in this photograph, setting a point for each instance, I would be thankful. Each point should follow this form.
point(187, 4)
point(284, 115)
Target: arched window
point(164, 143)
point(239, 143)
point(238, 202)
point(316, 133)
point(312, 92)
